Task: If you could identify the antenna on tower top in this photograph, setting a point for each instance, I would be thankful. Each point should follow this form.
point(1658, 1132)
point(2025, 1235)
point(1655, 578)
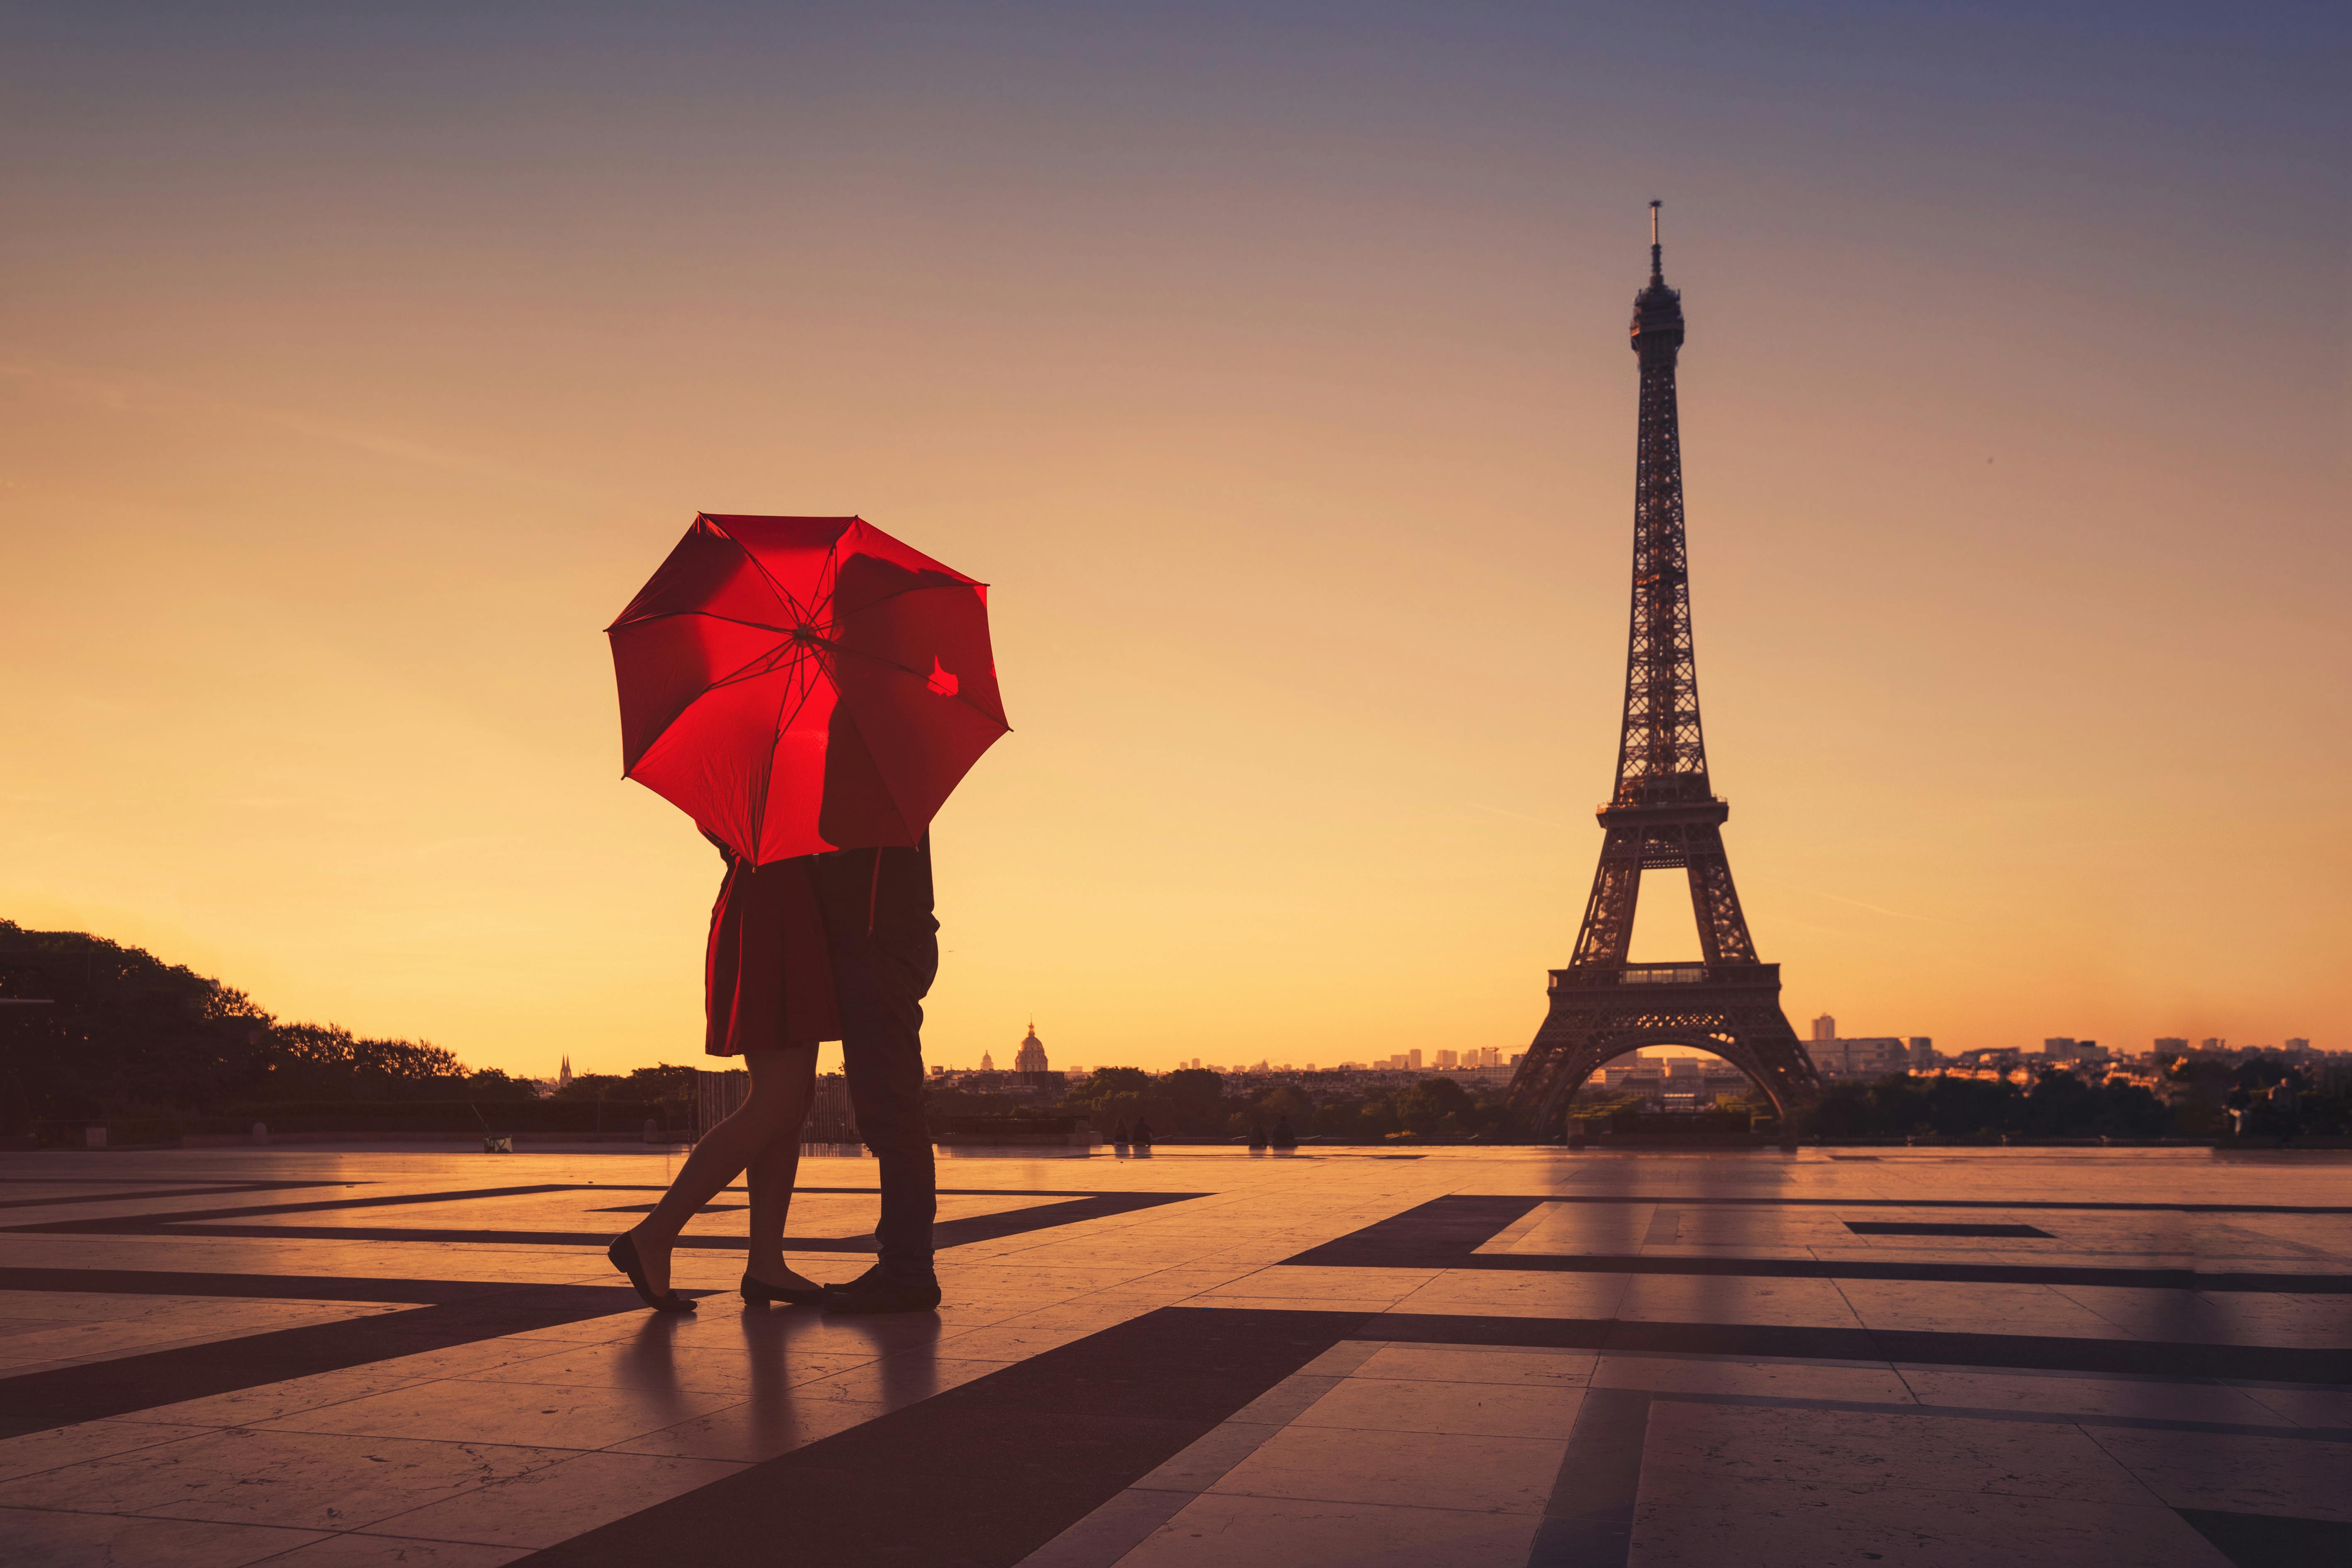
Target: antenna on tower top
point(1656, 275)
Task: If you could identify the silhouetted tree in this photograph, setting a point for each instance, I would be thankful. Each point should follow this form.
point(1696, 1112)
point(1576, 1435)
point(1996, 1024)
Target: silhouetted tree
point(1429, 1102)
point(130, 1035)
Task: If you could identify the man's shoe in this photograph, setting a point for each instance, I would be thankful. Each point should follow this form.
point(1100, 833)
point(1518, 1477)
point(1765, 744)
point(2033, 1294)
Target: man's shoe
point(871, 1294)
point(871, 1276)
point(760, 1293)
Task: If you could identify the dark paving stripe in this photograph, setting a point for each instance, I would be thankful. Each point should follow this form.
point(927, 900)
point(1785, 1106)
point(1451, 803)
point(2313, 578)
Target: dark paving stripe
point(1444, 1234)
point(946, 1234)
point(2259, 1364)
point(156, 1192)
point(1899, 1227)
point(1589, 1520)
point(1447, 1228)
point(2239, 1281)
point(984, 1474)
point(2014, 1418)
point(872, 1191)
point(66, 1395)
point(1686, 1200)
point(271, 1287)
point(2269, 1540)
point(147, 1225)
point(252, 1186)
point(961, 1232)
point(1020, 1221)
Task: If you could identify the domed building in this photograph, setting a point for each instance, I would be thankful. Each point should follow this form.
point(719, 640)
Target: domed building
point(1031, 1056)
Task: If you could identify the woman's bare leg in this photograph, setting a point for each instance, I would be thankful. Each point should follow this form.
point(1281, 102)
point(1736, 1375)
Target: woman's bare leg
point(773, 1173)
point(779, 1098)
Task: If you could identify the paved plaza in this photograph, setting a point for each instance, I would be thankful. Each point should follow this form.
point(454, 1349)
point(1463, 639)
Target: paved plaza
point(1458, 1356)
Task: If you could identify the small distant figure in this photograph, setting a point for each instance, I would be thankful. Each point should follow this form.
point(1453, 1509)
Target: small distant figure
point(1142, 1136)
point(1257, 1135)
point(1284, 1138)
point(1119, 1135)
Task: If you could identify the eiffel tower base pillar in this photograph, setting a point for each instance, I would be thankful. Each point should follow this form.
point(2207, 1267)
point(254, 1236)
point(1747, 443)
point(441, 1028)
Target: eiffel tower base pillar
point(1605, 1011)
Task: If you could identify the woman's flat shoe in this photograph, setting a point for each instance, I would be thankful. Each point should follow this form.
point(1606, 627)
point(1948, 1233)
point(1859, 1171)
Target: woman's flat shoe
point(624, 1254)
point(759, 1293)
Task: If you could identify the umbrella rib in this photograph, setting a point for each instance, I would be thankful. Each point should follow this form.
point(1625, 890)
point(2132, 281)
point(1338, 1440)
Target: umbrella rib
point(828, 578)
point(745, 672)
point(895, 804)
point(902, 592)
point(768, 772)
point(783, 723)
point(706, 614)
point(739, 673)
point(781, 593)
point(922, 675)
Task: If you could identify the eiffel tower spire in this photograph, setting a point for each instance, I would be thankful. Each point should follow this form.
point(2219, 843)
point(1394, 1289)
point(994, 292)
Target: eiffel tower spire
point(1661, 754)
point(1664, 813)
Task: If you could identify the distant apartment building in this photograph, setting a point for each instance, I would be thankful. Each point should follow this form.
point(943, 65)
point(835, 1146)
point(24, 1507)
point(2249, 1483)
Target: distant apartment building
point(1872, 1055)
point(2066, 1048)
point(1675, 1083)
point(2213, 1043)
point(2170, 1044)
point(1491, 1057)
point(1448, 1060)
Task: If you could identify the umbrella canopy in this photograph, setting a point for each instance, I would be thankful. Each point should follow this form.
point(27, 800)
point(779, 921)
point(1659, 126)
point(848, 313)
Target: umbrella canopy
point(800, 684)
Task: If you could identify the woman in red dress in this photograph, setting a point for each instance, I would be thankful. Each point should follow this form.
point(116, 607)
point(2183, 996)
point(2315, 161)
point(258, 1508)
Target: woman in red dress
point(768, 997)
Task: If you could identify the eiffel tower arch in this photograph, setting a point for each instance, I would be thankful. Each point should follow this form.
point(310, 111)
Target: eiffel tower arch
point(1664, 815)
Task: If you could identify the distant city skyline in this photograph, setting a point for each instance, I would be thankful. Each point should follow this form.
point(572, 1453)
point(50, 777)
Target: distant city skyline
point(1908, 1052)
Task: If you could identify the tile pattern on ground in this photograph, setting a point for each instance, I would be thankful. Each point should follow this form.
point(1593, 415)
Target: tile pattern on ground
point(1411, 1422)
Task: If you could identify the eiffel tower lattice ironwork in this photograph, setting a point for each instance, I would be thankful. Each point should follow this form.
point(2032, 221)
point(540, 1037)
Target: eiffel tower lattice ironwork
point(1664, 815)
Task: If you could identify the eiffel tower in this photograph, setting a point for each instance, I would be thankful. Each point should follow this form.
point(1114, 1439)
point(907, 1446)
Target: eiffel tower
point(1664, 815)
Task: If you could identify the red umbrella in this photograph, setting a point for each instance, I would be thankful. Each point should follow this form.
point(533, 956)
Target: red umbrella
point(800, 684)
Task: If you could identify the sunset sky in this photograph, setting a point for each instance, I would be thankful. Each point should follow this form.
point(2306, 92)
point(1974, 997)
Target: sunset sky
point(1269, 360)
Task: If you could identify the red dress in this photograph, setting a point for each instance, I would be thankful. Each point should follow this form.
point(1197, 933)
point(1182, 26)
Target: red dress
point(768, 977)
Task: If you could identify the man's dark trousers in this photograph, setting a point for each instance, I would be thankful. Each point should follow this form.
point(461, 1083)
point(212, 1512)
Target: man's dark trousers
point(886, 952)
